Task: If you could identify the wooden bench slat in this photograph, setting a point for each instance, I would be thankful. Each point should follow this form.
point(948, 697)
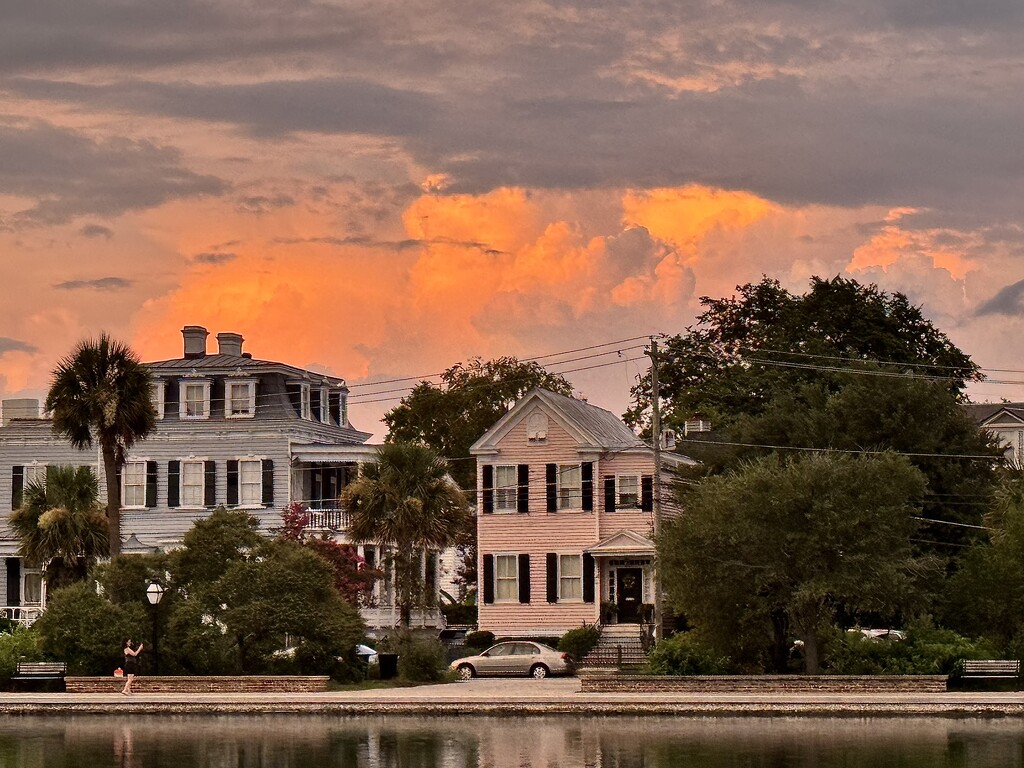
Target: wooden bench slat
point(991, 668)
point(29, 670)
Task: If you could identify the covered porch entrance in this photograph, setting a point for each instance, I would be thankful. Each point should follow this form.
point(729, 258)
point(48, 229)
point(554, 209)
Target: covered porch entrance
point(625, 564)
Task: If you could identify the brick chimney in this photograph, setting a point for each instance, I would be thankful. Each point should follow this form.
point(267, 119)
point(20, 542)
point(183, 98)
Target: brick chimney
point(195, 341)
point(230, 344)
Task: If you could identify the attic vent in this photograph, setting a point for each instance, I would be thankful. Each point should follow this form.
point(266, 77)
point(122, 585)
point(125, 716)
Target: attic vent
point(537, 427)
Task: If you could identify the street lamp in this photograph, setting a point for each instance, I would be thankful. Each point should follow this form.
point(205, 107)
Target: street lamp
point(154, 593)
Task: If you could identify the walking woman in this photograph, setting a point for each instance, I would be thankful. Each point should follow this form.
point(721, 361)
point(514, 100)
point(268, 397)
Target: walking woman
point(129, 664)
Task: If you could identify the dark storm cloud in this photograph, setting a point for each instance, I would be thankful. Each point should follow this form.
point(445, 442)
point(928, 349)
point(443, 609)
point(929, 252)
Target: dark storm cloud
point(97, 284)
point(71, 174)
point(1009, 301)
point(14, 345)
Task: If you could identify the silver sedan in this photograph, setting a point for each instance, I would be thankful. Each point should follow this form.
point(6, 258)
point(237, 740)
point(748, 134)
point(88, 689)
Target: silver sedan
point(516, 657)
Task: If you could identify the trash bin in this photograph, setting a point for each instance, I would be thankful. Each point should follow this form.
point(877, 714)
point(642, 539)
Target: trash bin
point(388, 665)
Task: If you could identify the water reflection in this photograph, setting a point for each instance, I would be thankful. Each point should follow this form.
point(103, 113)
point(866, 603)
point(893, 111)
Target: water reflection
point(290, 741)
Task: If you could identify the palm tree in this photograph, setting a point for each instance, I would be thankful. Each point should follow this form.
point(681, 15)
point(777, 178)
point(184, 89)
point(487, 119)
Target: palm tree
point(101, 392)
point(407, 501)
point(61, 524)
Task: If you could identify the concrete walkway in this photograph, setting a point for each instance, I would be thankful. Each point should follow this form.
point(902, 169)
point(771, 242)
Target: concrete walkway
point(520, 697)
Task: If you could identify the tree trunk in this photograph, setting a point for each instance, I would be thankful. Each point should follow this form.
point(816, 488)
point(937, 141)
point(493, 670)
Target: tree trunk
point(405, 584)
point(780, 641)
point(113, 500)
point(811, 652)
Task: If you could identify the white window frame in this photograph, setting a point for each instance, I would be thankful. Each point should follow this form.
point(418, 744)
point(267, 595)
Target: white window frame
point(620, 492)
point(570, 496)
point(183, 499)
point(325, 405)
point(183, 404)
point(33, 473)
point(128, 472)
point(158, 395)
point(35, 573)
point(563, 593)
point(343, 410)
point(304, 400)
point(505, 580)
point(255, 488)
point(229, 398)
point(506, 494)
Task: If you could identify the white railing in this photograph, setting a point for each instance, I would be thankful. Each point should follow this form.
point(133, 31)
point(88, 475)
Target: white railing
point(329, 519)
point(23, 614)
point(386, 616)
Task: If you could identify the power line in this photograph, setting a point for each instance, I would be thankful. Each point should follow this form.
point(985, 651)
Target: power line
point(840, 450)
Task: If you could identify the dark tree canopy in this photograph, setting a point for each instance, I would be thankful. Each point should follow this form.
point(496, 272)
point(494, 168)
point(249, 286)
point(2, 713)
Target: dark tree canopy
point(471, 397)
point(779, 547)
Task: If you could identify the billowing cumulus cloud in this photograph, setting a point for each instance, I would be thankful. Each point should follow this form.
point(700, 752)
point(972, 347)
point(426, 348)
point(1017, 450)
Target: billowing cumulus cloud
point(383, 189)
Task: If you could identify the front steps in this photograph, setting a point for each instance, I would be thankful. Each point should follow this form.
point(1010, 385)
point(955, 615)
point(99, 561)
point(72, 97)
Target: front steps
point(619, 646)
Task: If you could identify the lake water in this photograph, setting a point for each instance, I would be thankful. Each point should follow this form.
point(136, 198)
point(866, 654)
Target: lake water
point(299, 741)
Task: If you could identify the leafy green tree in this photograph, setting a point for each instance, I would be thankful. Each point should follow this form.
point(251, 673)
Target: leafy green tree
point(843, 366)
point(407, 502)
point(778, 547)
point(61, 525)
point(451, 416)
point(101, 392)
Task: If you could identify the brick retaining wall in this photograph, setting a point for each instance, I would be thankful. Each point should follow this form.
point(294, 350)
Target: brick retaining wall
point(762, 684)
point(200, 684)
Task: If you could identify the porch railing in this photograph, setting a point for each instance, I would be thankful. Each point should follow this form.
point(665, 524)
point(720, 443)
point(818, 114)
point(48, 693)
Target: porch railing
point(22, 614)
point(329, 519)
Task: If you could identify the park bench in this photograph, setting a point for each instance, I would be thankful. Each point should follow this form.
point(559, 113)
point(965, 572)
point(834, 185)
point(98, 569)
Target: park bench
point(991, 668)
point(40, 670)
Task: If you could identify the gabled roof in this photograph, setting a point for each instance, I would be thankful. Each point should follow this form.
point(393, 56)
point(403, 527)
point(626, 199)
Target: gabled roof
point(624, 543)
point(593, 427)
point(986, 413)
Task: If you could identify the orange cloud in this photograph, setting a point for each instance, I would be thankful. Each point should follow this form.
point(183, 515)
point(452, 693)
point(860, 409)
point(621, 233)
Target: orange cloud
point(893, 244)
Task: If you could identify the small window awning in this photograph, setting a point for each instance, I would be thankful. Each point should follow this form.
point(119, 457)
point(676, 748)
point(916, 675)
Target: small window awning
point(132, 546)
point(625, 543)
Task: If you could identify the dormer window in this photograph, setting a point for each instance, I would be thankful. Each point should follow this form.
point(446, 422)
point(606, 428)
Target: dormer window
point(537, 428)
point(298, 394)
point(325, 402)
point(156, 394)
point(240, 402)
point(194, 399)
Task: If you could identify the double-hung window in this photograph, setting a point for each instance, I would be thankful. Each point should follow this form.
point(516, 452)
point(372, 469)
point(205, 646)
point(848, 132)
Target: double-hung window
point(192, 483)
point(570, 577)
point(156, 394)
point(35, 473)
point(195, 400)
point(627, 491)
point(133, 477)
point(570, 486)
point(505, 488)
point(506, 578)
point(241, 399)
point(250, 482)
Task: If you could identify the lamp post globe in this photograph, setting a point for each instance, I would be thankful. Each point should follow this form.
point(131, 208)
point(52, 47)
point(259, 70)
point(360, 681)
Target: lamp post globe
point(154, 594)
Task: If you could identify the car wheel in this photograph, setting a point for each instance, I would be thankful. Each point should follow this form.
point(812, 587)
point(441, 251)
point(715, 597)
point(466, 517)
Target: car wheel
point(538, 672)
point(465, 672)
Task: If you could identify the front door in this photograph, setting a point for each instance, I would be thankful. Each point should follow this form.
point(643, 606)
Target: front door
point(629, 594)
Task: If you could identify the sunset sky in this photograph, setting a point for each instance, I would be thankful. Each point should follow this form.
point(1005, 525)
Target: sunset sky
point(381, 189)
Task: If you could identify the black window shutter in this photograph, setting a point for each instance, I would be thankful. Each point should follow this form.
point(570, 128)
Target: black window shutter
point(551, 483)
point(524, 578)
point(210, 483)
point(268, 482)
point(173, 483)
point(369, 557)
point(14, 581)
point(488, 490)
point(647, 493)
point(587, 486)
point(523, 488)
point(150, 483)
point(232, 482)
point(609, 493)
point(552, 577)
point(588, 578)
point(488, 578)
point(17, 485)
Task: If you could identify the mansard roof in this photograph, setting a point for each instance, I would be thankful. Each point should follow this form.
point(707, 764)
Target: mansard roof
point(244, 365)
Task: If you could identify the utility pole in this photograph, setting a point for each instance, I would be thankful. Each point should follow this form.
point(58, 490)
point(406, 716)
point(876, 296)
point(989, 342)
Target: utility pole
point(659, 624)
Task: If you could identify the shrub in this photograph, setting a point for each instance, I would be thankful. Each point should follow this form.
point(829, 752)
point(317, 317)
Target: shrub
point(421, 660)
point(685, 654)
point(479, 641)
point(17, 644)
point(925, 651)
point(579, 642)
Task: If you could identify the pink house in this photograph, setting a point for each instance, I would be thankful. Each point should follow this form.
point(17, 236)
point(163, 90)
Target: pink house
point(565, 518)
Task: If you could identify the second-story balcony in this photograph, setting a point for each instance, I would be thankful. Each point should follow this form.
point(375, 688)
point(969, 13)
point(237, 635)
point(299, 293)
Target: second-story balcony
point(328, 516)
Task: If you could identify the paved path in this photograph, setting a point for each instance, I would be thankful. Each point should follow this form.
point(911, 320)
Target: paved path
point(521, 697)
